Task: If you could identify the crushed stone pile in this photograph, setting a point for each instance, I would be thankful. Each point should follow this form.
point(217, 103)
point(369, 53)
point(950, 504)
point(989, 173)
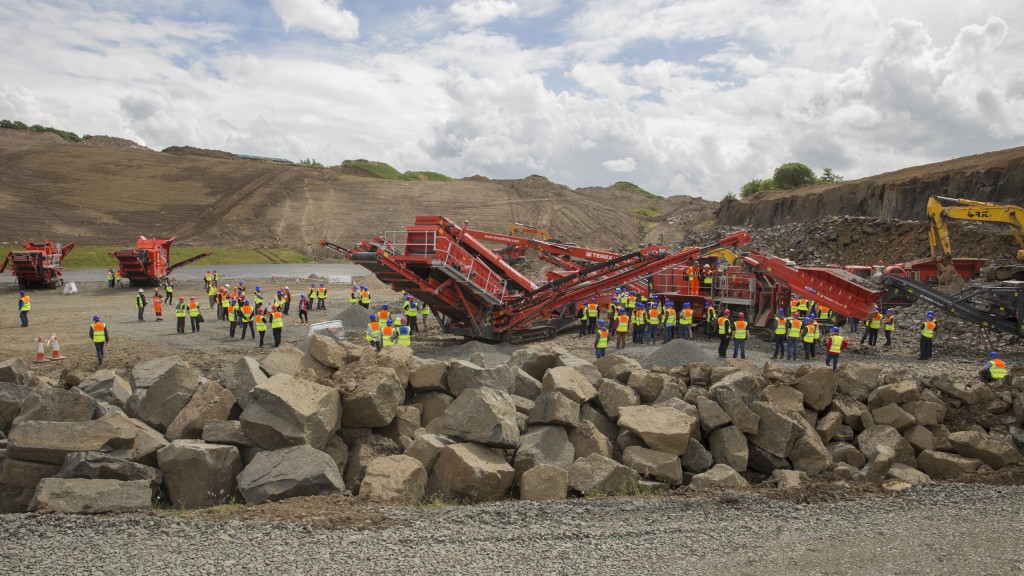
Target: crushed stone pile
point(679, 353)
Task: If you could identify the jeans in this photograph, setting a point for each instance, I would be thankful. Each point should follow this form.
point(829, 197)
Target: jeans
point(262, 334)
point(684, 331)
point(780, 345)
point(99, 351)
point(832, 359)
point(739, 345)
point(583, 329)
point(888, 337)
point(669, 333)
point(600, 352)
point(194, 322)
point(181, 324)
point(808, 350)
point(792, 348)
point(141, 310)
point(926, 348)
point(24, 318)
point(277, 337)
point(653, 332)
point(854, 325)
point(250, 326)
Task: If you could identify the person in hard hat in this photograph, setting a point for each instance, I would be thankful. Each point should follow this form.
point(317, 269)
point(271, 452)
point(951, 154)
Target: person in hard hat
point(404, 334)
point(639, 319)
point(110, 277)
point(99, 335)
point(724, 328)
point(276, 325)
point(195, 314)
point(779, 327)
point(621, 328)
point(321, 297)
point(169, 288)
point(669, 319)
point(287, 300)
point(261, 319)
point(303, 309)
point(246, 316)
point(871, 327)
point(412, 313)
point(387, 333)
point(581, 315)
point(158, 305)
point(601, 341)
point(211, 292)
point(693, 276)
point(994, 370)
point(353, 295)
point(118, 279)
point(889, 322)
point(707, 279)
point(180, 311)
point(592, 313)
point(686, 321)
point(140, 303)
point(739, 337)
point(424, 315)
point(216, 278)
point(373, 332)
point(24, 305)
point(833, 348)
point(207, 278)
point(364, 297)
point(232, 317)
point(809, 335)
point(794, 336)
point(927, 336)
point(225, 301)
point(711, 318)
point(654, 320)
point(257, 297)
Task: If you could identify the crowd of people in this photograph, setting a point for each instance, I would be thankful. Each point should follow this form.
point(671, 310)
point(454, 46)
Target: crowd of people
point(386, 328)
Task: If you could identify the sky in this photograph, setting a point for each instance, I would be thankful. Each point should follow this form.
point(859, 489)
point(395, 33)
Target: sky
point(676, 96)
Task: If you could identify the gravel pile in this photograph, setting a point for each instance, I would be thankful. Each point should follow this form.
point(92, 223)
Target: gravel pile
point(680, 352)
point(493, 354)
point(945, 529)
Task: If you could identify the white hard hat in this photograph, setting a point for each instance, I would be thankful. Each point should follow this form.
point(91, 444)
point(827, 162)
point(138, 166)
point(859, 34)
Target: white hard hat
point(140, 290)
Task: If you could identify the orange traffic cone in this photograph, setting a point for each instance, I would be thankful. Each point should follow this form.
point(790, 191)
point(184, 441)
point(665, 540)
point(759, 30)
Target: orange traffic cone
point(40, 353)
point(55, 354)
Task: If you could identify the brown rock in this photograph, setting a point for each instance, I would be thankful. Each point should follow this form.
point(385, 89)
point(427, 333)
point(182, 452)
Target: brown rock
point(661, 428)
point(394, 479)
point(718, 477)
point(994, 452)
point(483, 415)
point(209, 402)
point(199, 475)
point(586, 439)
point(470, 472)
point(729, 447)
point(555, 408)
point(570, 382)
point(942, 466)
point(660, 466)
point(544, 483)
point(597, 475)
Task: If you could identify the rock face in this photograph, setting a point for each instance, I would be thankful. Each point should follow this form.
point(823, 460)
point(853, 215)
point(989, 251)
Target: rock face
point(288, 411)
point(889, 196)
point(81, 496)
point(483, 415)
point(199, 475)
point(661, 428)
point(396, 479)
point(470, 472)
point(295, 471)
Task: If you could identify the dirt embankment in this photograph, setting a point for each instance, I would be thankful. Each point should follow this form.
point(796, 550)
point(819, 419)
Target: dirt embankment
point(901, 195)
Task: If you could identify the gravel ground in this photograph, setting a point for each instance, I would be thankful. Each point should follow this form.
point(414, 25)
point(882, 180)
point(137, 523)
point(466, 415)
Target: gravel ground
point(944, 529)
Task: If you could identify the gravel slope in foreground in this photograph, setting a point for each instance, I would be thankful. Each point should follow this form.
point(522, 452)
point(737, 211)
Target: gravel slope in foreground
point(946, 529)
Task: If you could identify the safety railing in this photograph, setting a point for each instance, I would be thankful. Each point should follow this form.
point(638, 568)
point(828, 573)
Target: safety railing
point(735, 288)
point(458, 260)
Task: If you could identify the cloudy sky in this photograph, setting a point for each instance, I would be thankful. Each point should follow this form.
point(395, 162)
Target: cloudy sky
point(678, 96)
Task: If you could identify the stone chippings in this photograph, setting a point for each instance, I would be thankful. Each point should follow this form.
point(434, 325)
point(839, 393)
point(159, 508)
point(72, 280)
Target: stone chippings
point(538, 424)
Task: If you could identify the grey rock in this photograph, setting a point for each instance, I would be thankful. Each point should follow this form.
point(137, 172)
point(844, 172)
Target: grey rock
point(209, 402)
point(697, 458)
point(483, 415)
point(288, 472)
point(82, 496)
point(225, 432)
point(288, 411)
point(56, 405)
point(598, 475)
point(653, 464)
point(544, 483)
point(199, 475)
point(543, 445)
point(464, 375)
point(729, 447)
point(555, 408)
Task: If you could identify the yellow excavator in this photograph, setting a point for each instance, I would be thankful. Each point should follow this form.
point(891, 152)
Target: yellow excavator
point(940, 208)
point(530, 230)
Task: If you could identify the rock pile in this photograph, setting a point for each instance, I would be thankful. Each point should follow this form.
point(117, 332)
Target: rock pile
point(543, 425)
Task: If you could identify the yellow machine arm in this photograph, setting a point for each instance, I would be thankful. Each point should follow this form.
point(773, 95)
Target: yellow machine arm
point(532, 230)
point(938, 230)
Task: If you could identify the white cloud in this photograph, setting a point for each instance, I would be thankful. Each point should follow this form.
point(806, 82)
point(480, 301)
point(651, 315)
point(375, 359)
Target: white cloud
point(323, 16)
point(479, 12)
point(620, 165)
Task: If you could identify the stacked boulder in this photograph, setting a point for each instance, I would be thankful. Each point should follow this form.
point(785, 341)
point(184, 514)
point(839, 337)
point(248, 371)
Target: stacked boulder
point(391, 427)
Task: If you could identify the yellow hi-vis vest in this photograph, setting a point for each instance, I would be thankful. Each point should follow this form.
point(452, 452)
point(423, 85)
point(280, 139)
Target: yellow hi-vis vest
point(997, 370)
point(928, 329)
point(353, 297)
point(623, 325)
point(26, 303)
point(653, 315)
point(780, 326)
point(722, 323)
point(388, 335)
point(670, 317)
point(179, 310)
point(276, 320)
point(591, 310)
point(99, 332)
point(372, 331)
point(686, 317)
point(602, 339)
point(875, 321)
point(404, 336)
point(794, 328)
point(812, 333)
point(837, 344)
point(364, 297)
point(639, 317)
point(261, 325)
point(740, 330)
point(890, 323)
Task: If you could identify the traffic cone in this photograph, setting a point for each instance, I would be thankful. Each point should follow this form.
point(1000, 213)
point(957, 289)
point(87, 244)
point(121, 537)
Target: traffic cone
point(40, 353)
point(55, 354)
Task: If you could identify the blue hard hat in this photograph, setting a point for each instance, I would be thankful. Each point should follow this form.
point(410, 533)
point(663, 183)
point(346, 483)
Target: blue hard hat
point(600, 322)
point(257, 288)
point(632, 293)
point(593, 299)
point(686, 304)
point(233, 301)
point(835, 329)
point(96, 318)
point(312, 285)
point(384, 306)
point(781, 311)
point(993, 354)
point(668, 302)
point(706, 304)
point(22, 292)
point(811, 316)
point(240, 283)
point(362, 287)
point(930, 314)
point(390, 321)
point(621, 310)
point(321, 284)
point(246, 302)
point(373, 316)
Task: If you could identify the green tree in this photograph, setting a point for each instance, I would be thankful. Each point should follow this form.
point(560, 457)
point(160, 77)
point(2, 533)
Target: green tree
point(827, 175)
point(793, 175)
point(755, 186)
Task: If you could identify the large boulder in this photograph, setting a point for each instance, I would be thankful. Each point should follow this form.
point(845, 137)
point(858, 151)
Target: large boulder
point(848, 453)
point(107, 386)
point(56, 405)
point(289, 360)
point(586, 439)
point(958, 390)
point(526, 386)
point(429, 376)
point(584, 367)
point(616, 367)
point(555, 408)
point(147, 439)
point(327, 351)
point(427, 448)
point(294, 471)
point(483, 415)
point(925, 412)
point(943, 466)
point(544, 483)
point(855, 414)
point(470, 472)
point(729, 447)
point(604, 424)
point(14, 370)
point(463, 375)
point(100, 466)
point(598, 475)
point(662, 428)
point(395, 479)
point(370, 397)
point(895, 393)
point(761, 461)
point(870, 439)
point(52, 441)
point(83, 496)
point(543, 445)
point(893, 415)
point(613, 395)
point(809, 453)
point(241, 378)
point(919, 438)
point(660, 466)
point(858, 379)
point(974, 444)
point(398, 358)
point(209, 402)
point(569, 382)
point(289, 411)
point(733, 405)
point(170, 387)
point(711, 414)
point(719, 477)
point(697, 458)
point(225, 432)
point(11, 397)
point(364, 451)
point(535, 360)
point(818, 387)
point(776, 432)
point(783, 398)
point(647, 385)
point(432, 405)
point(199, 475)
point(744, 383)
